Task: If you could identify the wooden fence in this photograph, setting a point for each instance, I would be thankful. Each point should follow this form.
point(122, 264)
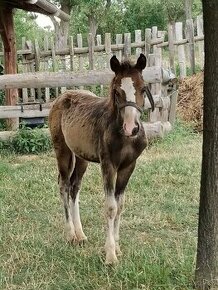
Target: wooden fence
point(168, 49)
point(179, 49)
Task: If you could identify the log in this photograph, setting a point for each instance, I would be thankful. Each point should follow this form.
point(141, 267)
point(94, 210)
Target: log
point(33, 110)
point(26, 111)
point(69, 79)
point(156, 129)
point(152, 130)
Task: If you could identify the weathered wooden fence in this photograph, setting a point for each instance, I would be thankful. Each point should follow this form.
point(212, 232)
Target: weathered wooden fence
point(179, 49)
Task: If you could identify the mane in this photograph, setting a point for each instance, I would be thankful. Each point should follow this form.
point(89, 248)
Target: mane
point(126, 65)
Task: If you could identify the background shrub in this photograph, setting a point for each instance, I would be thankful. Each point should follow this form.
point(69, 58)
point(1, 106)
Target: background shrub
point(27, 141)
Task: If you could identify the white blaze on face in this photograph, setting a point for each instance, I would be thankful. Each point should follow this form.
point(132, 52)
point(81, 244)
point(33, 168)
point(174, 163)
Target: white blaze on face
point(130, 114)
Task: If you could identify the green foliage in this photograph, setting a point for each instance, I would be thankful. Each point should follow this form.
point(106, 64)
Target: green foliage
point(25, 25)
point(27, 141)
point(2, 102)
point(128, 15)
point(144, 14)
point(2, 97)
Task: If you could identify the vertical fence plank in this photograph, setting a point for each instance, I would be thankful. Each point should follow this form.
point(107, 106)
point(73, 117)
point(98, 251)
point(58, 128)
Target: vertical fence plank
point(200, 33)
point(71, 53)
point(46, 47)
point(181, 50)
point(98, 39)
point(119, 40)
point(108, 48)
point(191, 44)
point(171, 48)
point(91, 50)
point(153, 36)
point(127, 45)
point(172, 109)
point(30, 68)
point(37, 65)
point(54, 61)
point(152, 115)
point(80, 45)
point(138, 40)
point(147, 41)
point(25, 70)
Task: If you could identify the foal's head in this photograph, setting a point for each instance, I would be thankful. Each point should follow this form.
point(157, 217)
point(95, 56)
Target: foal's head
point(128, 93)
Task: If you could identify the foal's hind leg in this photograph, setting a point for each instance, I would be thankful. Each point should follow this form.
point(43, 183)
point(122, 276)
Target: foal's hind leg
point(66, 163)
point(75, 182)
point(123, 176)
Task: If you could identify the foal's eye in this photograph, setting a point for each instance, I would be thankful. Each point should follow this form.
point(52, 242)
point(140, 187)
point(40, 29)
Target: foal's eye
point(143, 91)
point(117, 94)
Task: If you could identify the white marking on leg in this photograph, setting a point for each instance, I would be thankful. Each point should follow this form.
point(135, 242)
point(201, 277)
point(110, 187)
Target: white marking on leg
point(117, 224)
point(110, 211)
point(76, 219)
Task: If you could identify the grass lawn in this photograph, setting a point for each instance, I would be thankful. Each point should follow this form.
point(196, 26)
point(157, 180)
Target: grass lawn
point(158, 229)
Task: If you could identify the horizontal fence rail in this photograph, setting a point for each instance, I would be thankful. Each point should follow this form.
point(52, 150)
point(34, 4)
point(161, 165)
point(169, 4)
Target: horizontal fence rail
point(68, 79)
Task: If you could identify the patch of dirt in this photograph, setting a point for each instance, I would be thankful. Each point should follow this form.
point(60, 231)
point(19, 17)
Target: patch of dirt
point(190, 100)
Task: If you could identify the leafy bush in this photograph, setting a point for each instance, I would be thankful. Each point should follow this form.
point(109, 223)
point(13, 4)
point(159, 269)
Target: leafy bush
point(27, 141)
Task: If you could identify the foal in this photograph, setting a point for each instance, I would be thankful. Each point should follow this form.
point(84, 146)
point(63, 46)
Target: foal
point(86, 128)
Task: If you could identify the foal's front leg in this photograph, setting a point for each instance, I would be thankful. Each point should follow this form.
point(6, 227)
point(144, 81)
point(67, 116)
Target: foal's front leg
point(109, 175)
point(123, 176)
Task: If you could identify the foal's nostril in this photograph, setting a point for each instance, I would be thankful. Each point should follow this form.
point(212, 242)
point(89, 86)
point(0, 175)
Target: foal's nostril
point(135, 130)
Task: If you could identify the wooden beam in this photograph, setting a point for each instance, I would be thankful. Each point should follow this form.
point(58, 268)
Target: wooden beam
point(3, 32)
point(34, 110)
point(69, 79)
point(153, 131)
point(10, 58)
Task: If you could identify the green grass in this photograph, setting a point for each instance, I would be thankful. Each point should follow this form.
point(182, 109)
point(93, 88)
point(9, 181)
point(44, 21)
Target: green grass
point(158, 231)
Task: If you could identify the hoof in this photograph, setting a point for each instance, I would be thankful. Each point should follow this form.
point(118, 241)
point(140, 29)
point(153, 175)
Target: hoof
point(118, 251)
point(81, 241)
point(111, 259)
point(72, 240)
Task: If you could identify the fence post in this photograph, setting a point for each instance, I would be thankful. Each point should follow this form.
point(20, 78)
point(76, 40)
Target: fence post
point(54, 61)
point(25, 69)
point(127, 45)
point(119, 40)
point(181, 50)
point(80, 45)
point(37, 65)
point(108, 48)
point(30, 68)
point(153, 36)
point(171, 47)
point(138, 40)
point(200, 33)
point(47, 90)
point(191, 45)
point(147, 41)
point(91, 51)
point(98, 39)
point(71, 53)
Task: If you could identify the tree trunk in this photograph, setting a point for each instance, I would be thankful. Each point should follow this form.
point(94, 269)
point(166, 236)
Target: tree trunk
point(62, 27)
point(93, 25)
point(10, 59)
point(207, 251)
point(188, 9)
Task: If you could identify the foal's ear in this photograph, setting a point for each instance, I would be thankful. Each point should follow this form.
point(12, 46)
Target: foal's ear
point(115, 64)
point(141, 62)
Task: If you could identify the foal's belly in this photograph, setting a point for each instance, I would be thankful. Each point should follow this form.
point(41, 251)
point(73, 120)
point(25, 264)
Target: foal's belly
point(81, 142)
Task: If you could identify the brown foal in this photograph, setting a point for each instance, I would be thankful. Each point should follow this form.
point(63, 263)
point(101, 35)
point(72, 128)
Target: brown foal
point(86, 128)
